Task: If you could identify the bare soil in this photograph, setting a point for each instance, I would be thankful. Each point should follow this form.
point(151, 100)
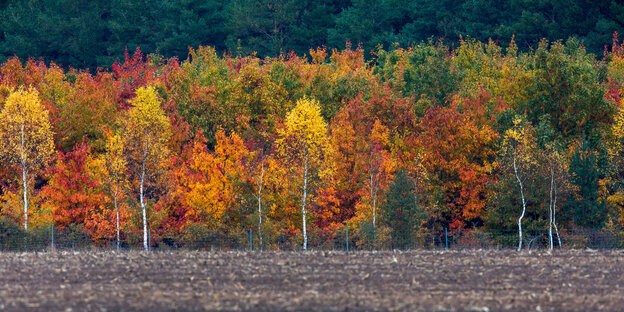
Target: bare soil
point(320, 281)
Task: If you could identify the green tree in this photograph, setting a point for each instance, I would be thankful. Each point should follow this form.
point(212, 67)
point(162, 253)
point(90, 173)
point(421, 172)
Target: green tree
point(593, 22)
point(424, 71)
point(192, 23)
point(431, 19)
point(368, 24)
point(260, 26)
point(68, 32)
point(276, 27)
point(132, 24)
point(586, 206)
point(400, 211)
point(315, 19)
point(567, 89)
point(167, 28)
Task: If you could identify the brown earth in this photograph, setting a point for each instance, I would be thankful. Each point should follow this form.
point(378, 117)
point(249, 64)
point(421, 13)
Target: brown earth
point(321, 281)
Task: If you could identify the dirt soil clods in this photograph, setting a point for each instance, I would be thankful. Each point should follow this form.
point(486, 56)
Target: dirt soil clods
point(317, 280)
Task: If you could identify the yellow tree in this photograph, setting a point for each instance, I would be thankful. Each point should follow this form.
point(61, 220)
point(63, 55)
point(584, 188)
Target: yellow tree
point(519, 150)
point(211, 178)
point(147, 131)
point(115, 170)
point(302, 145)
point(615, 145)
point(26, 137)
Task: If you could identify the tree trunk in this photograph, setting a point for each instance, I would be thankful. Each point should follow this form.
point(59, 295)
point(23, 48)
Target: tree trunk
point(414, 179)
point(117, 212)
point(141, 197)
point(259, 184)
point(523, 204)
point(555, 216)
point(25, 186)
point(374, 211)
point(24, 179)
point(303, 200)
point(550, 209)
point(373, 192)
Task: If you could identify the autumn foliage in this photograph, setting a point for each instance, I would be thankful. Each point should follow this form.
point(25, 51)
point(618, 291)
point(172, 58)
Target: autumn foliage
point(301, 148)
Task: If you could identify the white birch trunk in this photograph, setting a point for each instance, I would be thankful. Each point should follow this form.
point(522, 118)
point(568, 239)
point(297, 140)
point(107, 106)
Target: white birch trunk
point(374, 187)
point(25, 186)
point(550, 209)
point(415, 191)
point(117, 212)
point(24, 178)
point(141, 196)
point(555, 216)
point(523, 204)
point(259, 183)
point(373, 194)
point(303, 200)
point(374, 212)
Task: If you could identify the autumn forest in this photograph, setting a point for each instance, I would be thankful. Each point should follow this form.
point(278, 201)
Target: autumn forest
point(390, 144)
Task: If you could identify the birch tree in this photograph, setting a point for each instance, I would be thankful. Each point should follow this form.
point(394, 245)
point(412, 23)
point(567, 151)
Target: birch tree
point(259, 181)
point(519, 152)
point(147, 131)
point(26, 137)
point(380, 164)
point(303, 145)
point(557, 168)
point(115, 167)
point(263, 178)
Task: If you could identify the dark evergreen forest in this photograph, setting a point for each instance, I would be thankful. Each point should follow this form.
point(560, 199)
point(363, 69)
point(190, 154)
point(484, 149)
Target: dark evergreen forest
point(95, 33)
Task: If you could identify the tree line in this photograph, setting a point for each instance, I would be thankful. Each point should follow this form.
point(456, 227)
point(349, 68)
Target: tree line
point(91, 34)
point(301, 148)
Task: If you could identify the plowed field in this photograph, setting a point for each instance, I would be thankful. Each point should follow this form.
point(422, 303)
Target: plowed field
point(304, 281)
